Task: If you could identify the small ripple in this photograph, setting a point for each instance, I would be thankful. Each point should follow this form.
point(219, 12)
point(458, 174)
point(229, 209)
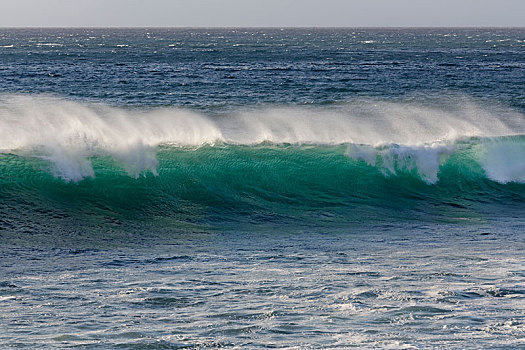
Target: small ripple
point(503, 292)
point(170, 302)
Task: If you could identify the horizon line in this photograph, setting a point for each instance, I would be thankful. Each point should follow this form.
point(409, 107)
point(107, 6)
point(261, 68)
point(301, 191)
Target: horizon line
point(262, 27)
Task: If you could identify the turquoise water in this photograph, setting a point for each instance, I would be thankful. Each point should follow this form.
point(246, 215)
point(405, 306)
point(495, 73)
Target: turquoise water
point(176, 188)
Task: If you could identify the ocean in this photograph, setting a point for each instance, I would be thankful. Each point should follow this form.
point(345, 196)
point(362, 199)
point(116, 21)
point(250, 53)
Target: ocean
point(255, 188)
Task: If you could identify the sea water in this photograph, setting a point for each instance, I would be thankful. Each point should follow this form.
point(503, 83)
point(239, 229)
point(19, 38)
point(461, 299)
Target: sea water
point(289, 188)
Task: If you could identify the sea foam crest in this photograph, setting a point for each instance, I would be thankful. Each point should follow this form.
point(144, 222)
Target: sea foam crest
point(391, 159)
point(69, 133)
point(504, 159)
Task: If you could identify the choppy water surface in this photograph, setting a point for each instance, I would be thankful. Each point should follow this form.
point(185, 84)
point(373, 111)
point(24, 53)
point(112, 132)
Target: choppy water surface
point(180, 188)
point(401, 287)
point(225, 67)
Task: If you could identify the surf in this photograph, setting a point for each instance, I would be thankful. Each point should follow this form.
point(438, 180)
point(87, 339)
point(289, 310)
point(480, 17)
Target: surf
point(69, 134)
point(64, 160)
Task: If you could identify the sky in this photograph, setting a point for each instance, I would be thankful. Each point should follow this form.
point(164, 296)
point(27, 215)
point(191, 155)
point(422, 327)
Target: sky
point(262, 13)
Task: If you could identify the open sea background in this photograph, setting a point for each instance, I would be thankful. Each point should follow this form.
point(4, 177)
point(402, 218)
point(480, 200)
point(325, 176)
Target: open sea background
point(250, 188)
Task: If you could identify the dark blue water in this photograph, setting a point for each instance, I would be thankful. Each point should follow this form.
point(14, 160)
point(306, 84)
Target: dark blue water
point(296, 188)
point(205, 68)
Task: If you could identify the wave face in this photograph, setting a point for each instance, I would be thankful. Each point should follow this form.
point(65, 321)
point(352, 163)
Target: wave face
point(364, 160)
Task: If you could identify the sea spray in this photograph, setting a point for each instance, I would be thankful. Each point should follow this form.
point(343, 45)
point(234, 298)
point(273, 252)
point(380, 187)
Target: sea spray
point(412, 135)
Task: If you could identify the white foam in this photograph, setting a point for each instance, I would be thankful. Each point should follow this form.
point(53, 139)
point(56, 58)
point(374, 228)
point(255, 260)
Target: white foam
point(504, 160)
point(69, 133)
point(424, 160)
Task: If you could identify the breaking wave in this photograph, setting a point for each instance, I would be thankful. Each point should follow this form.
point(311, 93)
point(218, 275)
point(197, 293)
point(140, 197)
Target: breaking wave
point(64, 162)
point(392, 136)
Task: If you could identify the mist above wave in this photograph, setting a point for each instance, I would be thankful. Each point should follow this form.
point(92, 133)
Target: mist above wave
point(69, 133)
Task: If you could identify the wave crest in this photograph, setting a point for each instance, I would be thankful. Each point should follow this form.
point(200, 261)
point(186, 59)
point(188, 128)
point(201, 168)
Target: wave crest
point(394, 136)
